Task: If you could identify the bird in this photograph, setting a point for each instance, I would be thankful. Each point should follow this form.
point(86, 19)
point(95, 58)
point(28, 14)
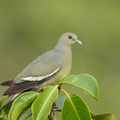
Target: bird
point(46, 69)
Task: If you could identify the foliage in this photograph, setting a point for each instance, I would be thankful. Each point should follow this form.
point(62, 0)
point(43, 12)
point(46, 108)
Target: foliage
point(106, 116)
point(42, 105)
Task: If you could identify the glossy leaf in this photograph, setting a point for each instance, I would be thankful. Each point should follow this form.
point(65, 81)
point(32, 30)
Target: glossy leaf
point(20, 103)
point(74, 108)
point(2, 100)
point(87, 82)
point(59, 103)
point(42, 105)
point(107, 116)
point(26, 113)
point(3, 116)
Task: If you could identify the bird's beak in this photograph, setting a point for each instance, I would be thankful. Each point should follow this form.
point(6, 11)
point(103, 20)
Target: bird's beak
point(78, 42)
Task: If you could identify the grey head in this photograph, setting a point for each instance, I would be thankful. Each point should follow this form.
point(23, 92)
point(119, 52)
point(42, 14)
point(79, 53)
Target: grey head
point(69, 39)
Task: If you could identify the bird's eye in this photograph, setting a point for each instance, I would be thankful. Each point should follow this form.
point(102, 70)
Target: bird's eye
point(70, 37)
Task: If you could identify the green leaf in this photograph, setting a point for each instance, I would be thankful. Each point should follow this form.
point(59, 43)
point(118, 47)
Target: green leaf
point(42, 105)
point(20, 103)
point(107, 116)
point(26, 113)
point(87, 82)
point(74, 108)
point(59, 103)
point(2, 100)
point(7, 107)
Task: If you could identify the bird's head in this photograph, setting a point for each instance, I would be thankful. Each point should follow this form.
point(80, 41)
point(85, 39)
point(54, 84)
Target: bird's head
point(69, 39)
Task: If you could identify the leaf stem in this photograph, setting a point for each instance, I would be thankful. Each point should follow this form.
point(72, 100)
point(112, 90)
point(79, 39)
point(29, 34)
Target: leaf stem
point(64, 91)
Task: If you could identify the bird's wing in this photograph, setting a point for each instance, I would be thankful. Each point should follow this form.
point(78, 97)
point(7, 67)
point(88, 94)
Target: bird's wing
point(40, 70)
point(43, 67)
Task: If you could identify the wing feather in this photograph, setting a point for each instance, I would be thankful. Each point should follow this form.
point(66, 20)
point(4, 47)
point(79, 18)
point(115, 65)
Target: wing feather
point(40, 68)
point(39, 71)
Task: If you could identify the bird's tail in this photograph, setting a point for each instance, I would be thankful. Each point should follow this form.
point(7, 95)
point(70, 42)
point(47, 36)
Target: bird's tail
point(9, 99)
point(7, 83)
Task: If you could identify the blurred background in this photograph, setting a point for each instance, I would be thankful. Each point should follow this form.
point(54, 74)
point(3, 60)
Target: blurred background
point(30, 28)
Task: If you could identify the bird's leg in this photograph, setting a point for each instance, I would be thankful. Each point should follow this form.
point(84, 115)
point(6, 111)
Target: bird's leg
point(41, 90)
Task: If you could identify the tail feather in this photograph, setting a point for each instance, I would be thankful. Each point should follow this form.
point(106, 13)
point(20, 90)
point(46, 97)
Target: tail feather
point(7, 83)
point(9, 99)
